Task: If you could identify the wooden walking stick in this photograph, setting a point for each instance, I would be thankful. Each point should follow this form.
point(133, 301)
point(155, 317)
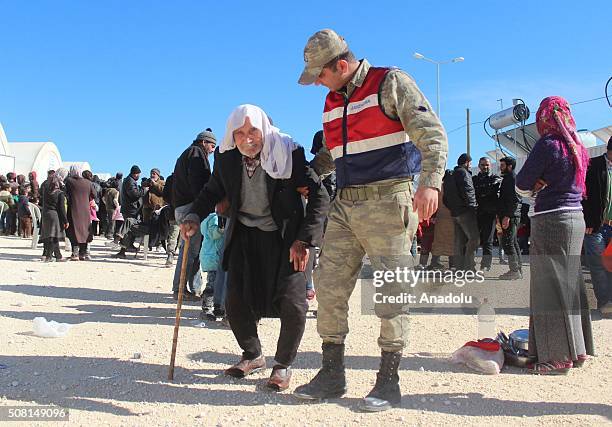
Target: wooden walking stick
point(179, 303)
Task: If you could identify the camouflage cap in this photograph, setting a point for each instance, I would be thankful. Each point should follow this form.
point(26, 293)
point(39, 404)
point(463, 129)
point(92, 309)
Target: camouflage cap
point(321, 48)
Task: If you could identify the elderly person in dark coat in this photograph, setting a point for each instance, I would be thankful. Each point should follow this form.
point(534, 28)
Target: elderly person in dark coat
point(55, 220)
point(260, 172)
point(79, 192)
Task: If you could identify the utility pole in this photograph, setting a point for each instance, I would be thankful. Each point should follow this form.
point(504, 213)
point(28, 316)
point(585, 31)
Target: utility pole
point(468, 130)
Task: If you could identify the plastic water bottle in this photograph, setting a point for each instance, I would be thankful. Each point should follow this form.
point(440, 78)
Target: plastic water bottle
point(486, 320)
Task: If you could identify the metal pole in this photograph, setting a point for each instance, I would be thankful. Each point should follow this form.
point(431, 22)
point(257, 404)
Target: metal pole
point(438, 88)
point(468, 130)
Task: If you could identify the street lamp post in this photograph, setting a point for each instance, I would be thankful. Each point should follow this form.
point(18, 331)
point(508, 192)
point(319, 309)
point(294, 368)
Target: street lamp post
point(417, 55)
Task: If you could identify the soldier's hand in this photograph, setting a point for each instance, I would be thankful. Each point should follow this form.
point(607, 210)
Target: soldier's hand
point(188, 229)
point(425, 202)
point(298, 255)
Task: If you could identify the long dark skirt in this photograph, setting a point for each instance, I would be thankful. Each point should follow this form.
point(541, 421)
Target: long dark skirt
point(262, 283)
point(560, 322)
point(254, 263)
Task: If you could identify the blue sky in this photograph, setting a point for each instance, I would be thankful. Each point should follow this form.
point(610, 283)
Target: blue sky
point(123, 82)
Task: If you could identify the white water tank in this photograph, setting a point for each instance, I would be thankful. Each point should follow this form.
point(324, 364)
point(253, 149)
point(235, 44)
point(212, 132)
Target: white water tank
point(510, 116)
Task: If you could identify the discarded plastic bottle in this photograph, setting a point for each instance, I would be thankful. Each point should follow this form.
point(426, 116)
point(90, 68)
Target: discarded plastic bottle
point(486, 320)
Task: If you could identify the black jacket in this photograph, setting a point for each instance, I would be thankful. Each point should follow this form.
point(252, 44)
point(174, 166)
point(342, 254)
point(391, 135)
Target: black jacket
point(97, 192)
point(131, 195)
point(596, 193)
point(168, 195)
point(459, 195)
point(509, 203)
point(487, 186)
point(191, 173)
point(285, 201)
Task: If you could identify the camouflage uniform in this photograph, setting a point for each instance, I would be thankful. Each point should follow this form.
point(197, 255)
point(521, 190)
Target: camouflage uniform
point(377, 219)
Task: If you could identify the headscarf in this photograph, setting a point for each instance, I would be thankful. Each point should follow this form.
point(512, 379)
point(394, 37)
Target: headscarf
point(61, 173)
point(76, 170)
point(276, 158)
point(34, 182)
point(555, 119)
point(54, 183)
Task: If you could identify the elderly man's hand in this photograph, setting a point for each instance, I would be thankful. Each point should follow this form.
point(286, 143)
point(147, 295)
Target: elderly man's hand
point(188, 229)
point(298, 255)
point(425, 202)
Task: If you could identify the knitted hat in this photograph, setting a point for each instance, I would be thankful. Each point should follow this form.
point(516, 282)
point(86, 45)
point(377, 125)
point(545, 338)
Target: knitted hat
point(206, 136)
point(134, 170)
point(155, 170)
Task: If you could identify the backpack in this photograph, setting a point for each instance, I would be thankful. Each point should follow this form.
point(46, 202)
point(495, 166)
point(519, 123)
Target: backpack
point(447, 182)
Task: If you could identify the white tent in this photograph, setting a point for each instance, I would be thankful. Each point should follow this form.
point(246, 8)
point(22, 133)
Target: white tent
point(104, 176)
point(85, 166)
point(604, 133)
point(35, 156)
point(7, 161)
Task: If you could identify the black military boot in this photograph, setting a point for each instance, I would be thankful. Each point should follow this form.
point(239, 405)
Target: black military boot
point(330, 381)
point(386, 392)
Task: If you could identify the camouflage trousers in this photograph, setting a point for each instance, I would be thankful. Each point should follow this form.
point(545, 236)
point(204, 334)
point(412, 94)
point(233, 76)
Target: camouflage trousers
point(376, 220)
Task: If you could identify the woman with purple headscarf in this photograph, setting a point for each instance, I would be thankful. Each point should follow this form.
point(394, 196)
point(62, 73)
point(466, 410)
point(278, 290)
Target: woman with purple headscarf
point(560, 335)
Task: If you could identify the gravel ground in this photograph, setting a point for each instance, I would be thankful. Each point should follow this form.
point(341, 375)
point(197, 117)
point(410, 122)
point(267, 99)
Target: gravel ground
point(112, 367)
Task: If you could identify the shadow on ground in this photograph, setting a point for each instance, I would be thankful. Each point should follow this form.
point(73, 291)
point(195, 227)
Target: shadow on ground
point(129, 381)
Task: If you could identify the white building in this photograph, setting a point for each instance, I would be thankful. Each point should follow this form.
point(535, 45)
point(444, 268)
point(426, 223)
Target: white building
point(35, 156)
point(85, 166)
point(7, 161)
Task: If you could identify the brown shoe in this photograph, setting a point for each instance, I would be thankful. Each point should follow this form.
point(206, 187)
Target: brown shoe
point(246, 367)
point(280, 378)
point(187, 296)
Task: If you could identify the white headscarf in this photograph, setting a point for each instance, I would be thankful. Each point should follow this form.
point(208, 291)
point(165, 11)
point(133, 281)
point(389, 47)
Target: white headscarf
point(275, 155)
point(61, 173)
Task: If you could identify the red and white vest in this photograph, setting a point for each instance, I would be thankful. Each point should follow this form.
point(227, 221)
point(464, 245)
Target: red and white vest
point(366, 145)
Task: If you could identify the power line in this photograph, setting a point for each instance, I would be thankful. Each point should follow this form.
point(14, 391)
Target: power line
point(462, 126)
point(589, 100)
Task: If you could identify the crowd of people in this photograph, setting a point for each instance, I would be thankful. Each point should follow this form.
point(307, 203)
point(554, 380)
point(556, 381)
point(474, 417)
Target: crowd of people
point(263, 219)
